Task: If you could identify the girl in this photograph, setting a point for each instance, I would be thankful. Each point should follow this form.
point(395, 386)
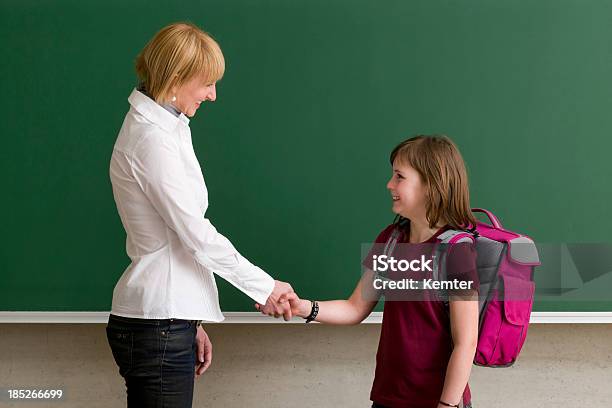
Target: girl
point(426, 347)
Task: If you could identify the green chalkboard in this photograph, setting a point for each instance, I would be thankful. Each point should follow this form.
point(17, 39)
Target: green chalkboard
point(294, 151)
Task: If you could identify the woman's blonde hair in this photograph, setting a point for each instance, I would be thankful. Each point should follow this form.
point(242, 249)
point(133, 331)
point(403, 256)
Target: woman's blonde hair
point(439, 163)
point(175, 55)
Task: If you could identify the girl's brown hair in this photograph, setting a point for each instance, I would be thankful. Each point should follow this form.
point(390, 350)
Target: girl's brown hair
point(438, 161)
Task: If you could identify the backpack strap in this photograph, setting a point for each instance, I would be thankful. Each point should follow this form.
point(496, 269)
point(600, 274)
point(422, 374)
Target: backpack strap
point(455, 236)
point(445, 239)
point(389, 248)
point(392, 241)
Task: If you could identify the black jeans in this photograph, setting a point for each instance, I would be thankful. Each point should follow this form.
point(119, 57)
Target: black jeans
point(156, 358)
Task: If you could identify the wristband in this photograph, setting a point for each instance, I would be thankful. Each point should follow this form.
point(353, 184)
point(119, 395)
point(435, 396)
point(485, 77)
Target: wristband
point(446, 404)
point(313, 312)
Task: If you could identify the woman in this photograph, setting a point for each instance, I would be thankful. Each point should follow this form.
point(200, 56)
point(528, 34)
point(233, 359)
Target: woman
point(161, 197)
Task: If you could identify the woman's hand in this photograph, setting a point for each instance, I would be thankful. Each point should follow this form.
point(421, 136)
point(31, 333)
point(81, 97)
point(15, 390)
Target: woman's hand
point(276, 304)
point(203, 351)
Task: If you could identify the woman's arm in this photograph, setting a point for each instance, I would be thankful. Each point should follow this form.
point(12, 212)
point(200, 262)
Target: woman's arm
point(158, 168)
point(464, 330)
point(350, 311)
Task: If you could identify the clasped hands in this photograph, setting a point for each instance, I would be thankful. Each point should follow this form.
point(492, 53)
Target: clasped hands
point(283, 301)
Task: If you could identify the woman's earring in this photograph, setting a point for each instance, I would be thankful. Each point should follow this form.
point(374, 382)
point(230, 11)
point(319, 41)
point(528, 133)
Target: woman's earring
point(174, 98)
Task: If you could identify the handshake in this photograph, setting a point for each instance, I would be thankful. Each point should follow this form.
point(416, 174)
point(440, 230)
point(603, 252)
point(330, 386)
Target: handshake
point(283, 301)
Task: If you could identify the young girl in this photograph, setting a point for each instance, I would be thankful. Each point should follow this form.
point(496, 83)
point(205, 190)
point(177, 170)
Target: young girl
point(426, 347)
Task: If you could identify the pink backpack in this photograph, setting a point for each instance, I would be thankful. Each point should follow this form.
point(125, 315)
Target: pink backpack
point(505, 263)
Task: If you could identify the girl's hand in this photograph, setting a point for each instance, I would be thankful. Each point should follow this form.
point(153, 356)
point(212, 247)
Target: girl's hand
point(299, 307)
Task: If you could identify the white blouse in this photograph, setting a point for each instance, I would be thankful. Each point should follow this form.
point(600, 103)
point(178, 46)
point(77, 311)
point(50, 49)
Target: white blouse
point(162, 198)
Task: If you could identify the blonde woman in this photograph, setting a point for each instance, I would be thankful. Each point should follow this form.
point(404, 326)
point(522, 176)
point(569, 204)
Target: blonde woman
point(161, 198)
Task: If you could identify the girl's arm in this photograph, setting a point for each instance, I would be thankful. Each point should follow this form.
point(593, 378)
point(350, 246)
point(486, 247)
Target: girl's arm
point(350, 311)
point(464, 330)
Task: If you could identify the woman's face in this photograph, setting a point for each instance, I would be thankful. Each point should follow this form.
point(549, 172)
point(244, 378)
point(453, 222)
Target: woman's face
point(407, 192)
point(193, 93)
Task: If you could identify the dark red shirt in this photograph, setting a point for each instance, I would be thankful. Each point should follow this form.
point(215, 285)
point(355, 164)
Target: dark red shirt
point(415, 343)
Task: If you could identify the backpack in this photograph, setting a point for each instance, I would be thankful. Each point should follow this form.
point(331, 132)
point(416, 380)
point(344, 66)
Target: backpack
point(505, 262)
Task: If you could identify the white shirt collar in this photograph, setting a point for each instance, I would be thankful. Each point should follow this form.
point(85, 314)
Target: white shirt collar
point(155, 112)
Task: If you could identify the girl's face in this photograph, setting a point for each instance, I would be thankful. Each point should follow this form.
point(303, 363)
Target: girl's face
point(408, 192)
point(193, 93)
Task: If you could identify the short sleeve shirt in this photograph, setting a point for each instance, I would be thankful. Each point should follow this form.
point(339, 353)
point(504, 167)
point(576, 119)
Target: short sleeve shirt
point(415, 342)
